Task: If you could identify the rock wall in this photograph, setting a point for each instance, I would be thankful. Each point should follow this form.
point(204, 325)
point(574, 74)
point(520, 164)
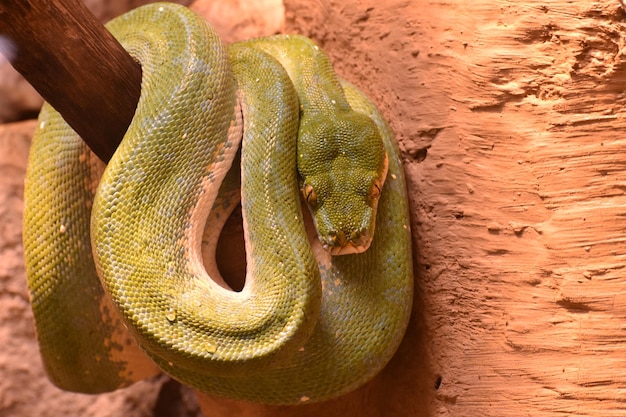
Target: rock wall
point(509, 119)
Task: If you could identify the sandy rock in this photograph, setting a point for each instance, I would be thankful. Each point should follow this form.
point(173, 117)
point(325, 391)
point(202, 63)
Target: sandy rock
point(509, 117)
point(18, 100)
point(235, 20)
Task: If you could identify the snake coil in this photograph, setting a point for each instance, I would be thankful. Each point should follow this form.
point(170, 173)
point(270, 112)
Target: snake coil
point(117, 248)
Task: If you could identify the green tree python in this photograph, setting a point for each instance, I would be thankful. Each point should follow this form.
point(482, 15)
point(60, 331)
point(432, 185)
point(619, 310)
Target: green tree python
point(115, 266)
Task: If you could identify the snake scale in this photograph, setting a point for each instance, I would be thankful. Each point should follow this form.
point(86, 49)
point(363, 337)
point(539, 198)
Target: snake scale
point(114, 264)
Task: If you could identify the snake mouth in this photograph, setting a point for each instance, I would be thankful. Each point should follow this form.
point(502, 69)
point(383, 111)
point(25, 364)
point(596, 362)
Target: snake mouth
point(338, 244)
point(348, 249)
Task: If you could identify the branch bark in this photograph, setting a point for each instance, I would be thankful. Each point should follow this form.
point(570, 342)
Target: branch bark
point(76, 65)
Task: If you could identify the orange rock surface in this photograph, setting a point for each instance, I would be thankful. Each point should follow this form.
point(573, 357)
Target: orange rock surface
point(509, 116)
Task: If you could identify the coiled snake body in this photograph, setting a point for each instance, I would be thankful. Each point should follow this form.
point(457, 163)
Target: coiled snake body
point(304, 327)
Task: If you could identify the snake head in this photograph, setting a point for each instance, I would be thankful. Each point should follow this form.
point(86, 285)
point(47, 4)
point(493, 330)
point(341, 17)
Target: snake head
point(343, 183)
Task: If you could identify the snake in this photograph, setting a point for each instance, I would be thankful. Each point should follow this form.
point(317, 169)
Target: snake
point(120, 259)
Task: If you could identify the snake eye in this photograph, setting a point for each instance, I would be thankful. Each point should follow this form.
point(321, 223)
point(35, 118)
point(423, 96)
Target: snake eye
point(309, 195)
point(376, 189)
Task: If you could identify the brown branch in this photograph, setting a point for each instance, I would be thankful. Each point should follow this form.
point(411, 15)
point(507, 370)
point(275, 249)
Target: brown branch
point(76, 65)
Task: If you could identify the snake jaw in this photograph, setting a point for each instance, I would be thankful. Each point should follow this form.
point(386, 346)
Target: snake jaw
point(338, 244)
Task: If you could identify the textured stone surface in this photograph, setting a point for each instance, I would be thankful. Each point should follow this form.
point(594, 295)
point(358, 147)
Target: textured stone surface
point(18, 100)
point(509, 116)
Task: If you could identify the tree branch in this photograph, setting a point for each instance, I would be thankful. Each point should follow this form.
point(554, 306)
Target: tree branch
point(76, 65)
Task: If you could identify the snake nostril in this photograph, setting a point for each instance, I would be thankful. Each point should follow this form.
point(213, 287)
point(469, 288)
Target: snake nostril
point(336, 239)
point(360, 238)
